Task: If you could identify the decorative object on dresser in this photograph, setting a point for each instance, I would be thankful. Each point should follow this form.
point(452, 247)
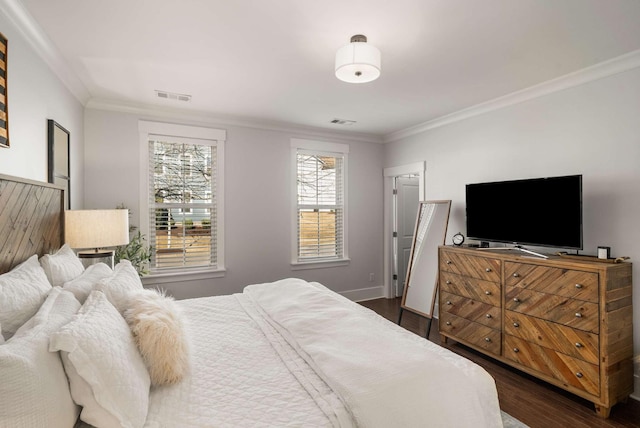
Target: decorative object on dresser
point(566, 321)
point(96, 229)
point(421, 285)
point(58, 162)
point(4, 106)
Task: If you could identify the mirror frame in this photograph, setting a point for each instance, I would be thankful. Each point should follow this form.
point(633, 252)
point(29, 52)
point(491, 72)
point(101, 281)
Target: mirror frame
point(426, 312)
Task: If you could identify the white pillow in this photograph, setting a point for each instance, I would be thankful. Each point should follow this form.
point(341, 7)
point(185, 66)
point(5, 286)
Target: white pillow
point(22, 291)
point(119, 286)
point(83, 285)
point(62, 266)
point(34, 387)
point(112, 383)
point(159, 333)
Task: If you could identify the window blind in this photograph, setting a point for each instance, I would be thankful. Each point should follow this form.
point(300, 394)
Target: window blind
point(320, 205)
point(182, 202)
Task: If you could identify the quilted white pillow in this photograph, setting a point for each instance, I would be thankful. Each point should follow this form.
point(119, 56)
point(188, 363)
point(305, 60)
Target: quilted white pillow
point(119, 286)
point(22, 291)
point(62, 266)
point(159, 333)
point(112, 383)
point(34, 387)
point(82, 286)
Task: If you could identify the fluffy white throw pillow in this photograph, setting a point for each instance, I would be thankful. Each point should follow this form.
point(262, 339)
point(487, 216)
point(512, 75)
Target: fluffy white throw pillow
point(62, 266)
point(33, 385)
point(22, 291)
point(106, 372)
point(83, 285)
point(120, 285)
point(159, 333)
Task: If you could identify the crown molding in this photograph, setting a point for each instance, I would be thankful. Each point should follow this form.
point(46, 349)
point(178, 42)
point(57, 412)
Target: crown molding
point(598, 71)
point(44, 47)
point(295, 131)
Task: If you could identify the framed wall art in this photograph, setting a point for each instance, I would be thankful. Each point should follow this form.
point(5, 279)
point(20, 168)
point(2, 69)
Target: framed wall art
point(4, 109)
point(59, 170)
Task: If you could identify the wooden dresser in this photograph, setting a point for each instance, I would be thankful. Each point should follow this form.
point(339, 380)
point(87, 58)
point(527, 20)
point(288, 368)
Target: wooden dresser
point(566, 321)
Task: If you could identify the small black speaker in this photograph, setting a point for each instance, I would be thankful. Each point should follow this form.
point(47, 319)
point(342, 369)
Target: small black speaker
point(484, 244)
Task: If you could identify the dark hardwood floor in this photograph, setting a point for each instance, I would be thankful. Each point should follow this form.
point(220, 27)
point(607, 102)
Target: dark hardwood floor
point(532, 401)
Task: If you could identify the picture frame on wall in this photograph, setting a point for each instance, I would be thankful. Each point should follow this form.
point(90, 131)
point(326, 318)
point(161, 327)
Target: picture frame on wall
point(59, 168)
point(4, 106)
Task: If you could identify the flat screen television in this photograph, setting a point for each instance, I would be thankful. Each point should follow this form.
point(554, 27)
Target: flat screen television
point(544, 212)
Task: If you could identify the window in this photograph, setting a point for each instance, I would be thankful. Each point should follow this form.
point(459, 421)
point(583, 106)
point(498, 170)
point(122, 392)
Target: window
point(184, 203)
point(320, 202)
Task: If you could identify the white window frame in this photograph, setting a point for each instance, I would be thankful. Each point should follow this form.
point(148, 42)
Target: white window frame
point(326, 148)
point(145, 130)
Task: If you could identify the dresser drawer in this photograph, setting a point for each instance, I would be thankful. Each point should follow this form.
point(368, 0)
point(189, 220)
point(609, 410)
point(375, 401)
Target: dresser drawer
point(472, 266)
point(476, 334)
point(563, 282)
point(470, 309)
point(477, 289)
point(568, 370)
point(563, 310)
point(573, 342)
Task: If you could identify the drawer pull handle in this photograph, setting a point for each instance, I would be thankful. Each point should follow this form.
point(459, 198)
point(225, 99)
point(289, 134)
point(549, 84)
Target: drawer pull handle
point(487, 339)
point(448, 282)
point(448, 322)
point(516, 275)
point(515, 299)
point(578, 286)
point(516, 350)
point(516, 325)
point(579, 375)
point(448, 302)
point(488, 293)
point(578, 345)
point(487, 270)
point(578, 315)
point(488, 315)
point(448, 262)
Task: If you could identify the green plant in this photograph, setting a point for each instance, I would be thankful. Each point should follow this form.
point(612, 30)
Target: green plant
point(206, 223)
point(136, 251)
point(188, 223)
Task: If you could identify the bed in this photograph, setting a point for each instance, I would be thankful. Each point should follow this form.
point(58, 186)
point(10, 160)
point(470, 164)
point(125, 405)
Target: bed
point(285, 353)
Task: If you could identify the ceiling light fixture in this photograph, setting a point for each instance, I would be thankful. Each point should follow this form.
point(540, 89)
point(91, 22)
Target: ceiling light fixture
point(358, 62)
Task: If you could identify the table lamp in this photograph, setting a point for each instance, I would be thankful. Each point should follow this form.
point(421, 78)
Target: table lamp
point(96, 230)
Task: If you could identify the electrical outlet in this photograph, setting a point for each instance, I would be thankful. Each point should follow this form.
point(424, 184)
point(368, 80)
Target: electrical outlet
point(372, 277)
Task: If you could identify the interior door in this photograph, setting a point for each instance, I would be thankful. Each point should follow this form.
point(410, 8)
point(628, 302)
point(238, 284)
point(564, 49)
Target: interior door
point(407, 210)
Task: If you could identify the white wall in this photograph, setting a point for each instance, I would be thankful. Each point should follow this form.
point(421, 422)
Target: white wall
point(35, 94)
point(257, 203)
point(592, 129)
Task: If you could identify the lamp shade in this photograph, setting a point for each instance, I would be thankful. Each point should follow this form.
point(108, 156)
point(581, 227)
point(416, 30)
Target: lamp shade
point(358, 62)
point(96, 228)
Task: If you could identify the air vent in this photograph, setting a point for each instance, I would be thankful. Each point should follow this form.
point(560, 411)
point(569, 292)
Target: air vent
point(173, 96)
point(345, 122)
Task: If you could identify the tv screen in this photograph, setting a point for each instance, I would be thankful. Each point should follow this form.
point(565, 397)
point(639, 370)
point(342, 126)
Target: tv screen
point(543, 212)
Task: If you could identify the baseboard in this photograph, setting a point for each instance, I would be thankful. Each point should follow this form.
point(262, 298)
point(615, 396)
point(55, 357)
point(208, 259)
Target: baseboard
point(362, 294)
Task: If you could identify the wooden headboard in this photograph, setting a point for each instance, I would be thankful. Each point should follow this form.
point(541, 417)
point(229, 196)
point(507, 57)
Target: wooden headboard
point(31, 219)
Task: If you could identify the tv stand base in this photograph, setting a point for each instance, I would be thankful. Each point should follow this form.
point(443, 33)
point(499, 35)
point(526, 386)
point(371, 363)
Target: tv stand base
point(516, 248)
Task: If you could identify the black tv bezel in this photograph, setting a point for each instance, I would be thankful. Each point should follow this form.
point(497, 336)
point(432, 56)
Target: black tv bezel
point(534, 244)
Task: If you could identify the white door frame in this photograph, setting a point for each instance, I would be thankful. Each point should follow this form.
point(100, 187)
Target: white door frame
point(419, 169)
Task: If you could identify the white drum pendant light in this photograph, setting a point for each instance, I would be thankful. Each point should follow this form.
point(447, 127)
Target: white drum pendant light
point(358, 62)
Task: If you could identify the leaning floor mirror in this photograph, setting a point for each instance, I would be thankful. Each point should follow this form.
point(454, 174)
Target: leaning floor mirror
point(421, 285)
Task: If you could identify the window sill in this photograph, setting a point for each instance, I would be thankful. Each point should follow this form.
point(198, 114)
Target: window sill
point(317, 264)
point(182, 275)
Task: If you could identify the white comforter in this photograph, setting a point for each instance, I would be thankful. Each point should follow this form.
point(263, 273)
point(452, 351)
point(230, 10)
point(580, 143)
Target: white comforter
point(291, 353)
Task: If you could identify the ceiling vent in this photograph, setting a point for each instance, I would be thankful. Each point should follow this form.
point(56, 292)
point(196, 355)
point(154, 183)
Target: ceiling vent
point(173, 96)
point(345, 122)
